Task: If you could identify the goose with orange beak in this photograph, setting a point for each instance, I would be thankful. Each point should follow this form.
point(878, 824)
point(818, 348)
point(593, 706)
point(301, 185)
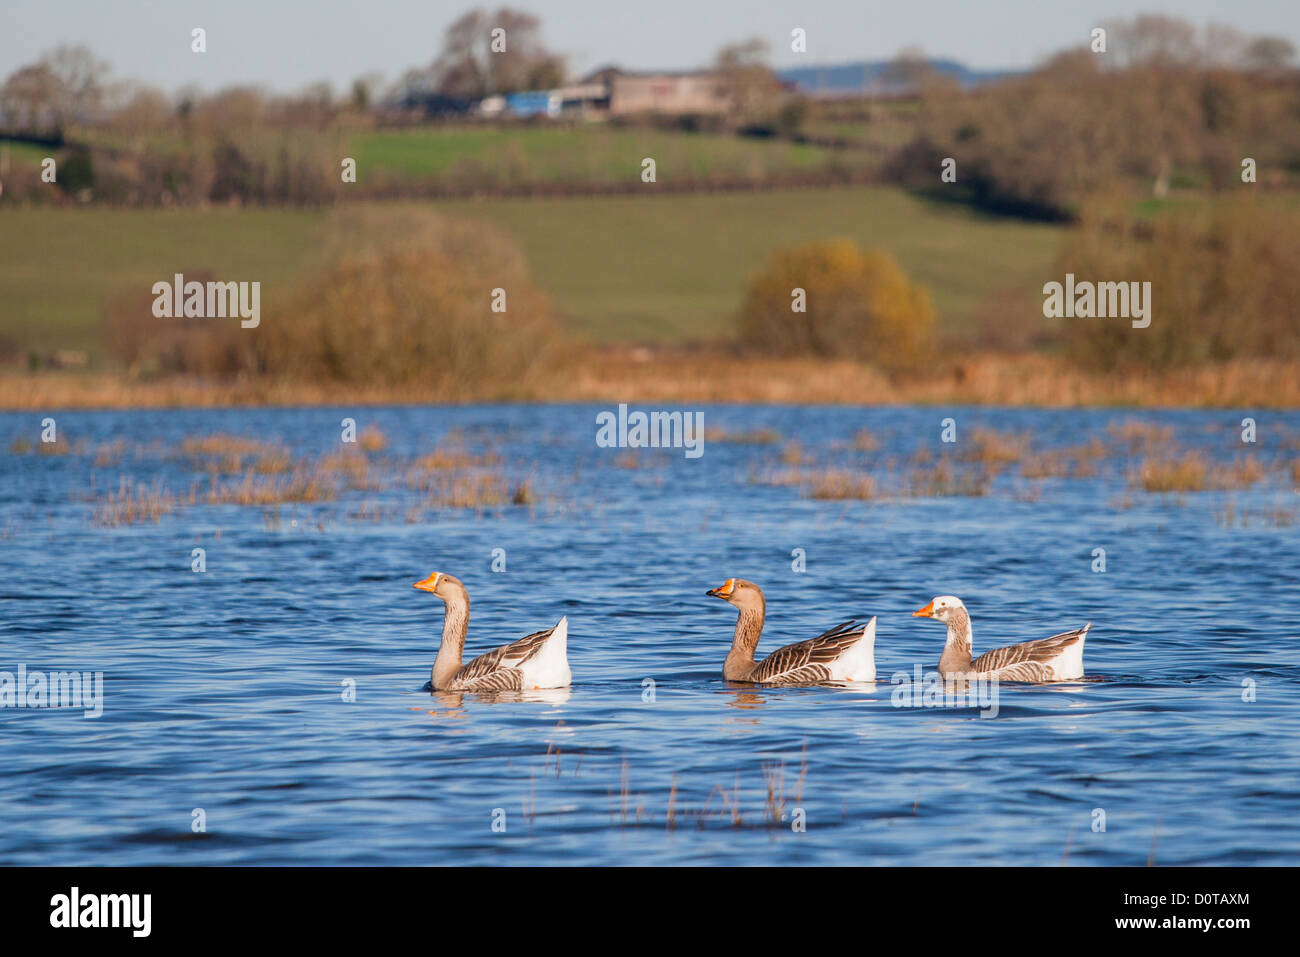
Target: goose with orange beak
point(1059, 658)
point(539, 660)
point(845, 653)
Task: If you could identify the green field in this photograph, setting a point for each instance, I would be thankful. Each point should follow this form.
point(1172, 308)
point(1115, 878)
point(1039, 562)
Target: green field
point(24, 153)
point(665, 268)
point(484, 156)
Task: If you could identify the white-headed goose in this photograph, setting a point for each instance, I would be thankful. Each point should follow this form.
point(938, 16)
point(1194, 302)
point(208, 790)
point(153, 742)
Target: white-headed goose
point(540, 660)
point(845, 653)
point(1059, 658)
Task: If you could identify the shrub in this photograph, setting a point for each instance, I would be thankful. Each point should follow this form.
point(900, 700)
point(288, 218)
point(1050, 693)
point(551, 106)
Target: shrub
point(1223, 285)
point(415, 313)
point(414, 316)
point(150, 346)
point(859, 305)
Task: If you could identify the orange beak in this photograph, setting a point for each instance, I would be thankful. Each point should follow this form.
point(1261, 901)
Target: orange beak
point(429, 584)
point(926, 612)
point(724, 590)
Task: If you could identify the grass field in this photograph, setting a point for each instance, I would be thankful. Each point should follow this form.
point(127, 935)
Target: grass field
point(24, 153)
point(674, 268)
point(667, 268)
point(487, 156)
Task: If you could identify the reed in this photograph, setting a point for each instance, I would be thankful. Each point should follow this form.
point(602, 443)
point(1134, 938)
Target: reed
point(792, 453)
point(263, 490)
point(132, 504)
point(452, 458)
point(839, 484)
point(468, 490)
point(865, 441)
point(109, 453)
point(372, 439)
point(351, 467)
point(1188, 472)
point(994, 448)
point(1136, 435)
point(763, 436)
point(1192, 472)
point(614, 375)
point(944, 479)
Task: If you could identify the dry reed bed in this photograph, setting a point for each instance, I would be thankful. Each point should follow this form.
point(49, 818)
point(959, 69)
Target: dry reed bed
point(623, 374)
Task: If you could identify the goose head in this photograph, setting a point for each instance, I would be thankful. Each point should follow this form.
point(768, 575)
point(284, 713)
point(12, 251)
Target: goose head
point(738, 592)
point(944, 608)
point(447, 587)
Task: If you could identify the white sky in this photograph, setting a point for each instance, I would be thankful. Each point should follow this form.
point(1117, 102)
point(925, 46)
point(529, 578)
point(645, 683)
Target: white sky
point(286, 45)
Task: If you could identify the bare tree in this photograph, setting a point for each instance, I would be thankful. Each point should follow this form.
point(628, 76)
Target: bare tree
point(469, 67)
point(28, 98)
point(747, 78)
point(1152, 40)
point(908, 70)
point(1225, 46)
point(80, 79)
point(1269, 53)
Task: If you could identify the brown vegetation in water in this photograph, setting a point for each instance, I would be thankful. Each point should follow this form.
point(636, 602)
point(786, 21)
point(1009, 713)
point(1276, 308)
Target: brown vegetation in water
point(1192, 472)
point(839, 484)
point(994, 448)
point(764, 436)
point(132, 504)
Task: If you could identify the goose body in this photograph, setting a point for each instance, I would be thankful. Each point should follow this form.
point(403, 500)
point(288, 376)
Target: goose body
point(846, 652)
point(1058, 658)
point(539, 660)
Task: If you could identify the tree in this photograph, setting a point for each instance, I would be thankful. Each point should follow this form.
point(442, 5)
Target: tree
point(79, 75)
point(66, 85)
point(908, 71)
point(469, 68)
point(28, 98)
point(1152, 39)
point(144, 109)
point(747, 79)
point(1269, 53)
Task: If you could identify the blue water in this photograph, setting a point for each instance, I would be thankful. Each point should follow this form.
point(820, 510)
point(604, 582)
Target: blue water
point(224, 690)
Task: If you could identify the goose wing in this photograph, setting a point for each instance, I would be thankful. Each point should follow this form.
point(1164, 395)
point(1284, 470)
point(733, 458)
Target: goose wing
point(1029, 660)
point(808, 660)
point(499, 669)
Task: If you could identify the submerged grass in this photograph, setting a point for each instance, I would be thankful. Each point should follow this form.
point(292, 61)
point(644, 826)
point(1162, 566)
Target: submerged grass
point(763, 436)
point(994, 448)
point(132, 504)
point(461, 474)
point(251, 473)
point(836, 484)
point(1193, 472)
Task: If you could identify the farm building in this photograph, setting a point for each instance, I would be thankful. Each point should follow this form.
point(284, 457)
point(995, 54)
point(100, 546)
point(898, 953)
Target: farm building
point(676, 93)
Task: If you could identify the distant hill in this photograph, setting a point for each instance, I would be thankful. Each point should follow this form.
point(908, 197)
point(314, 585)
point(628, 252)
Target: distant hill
point(869, 76)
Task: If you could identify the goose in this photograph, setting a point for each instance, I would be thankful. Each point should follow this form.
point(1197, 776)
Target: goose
point(1059, 658)
point(845, 653)
point(539, 660)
